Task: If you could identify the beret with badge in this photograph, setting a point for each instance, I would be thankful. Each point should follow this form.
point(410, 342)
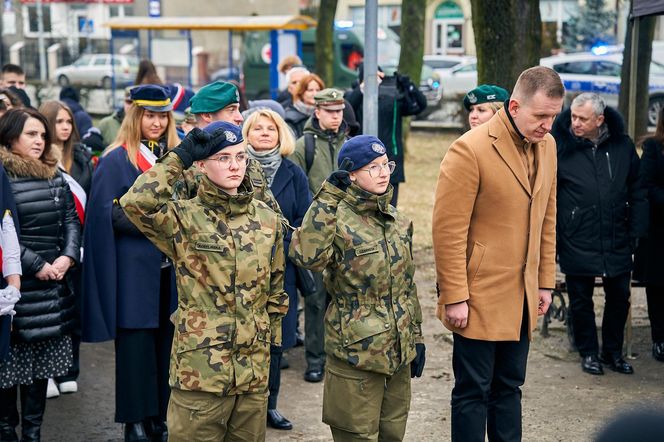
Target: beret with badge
point(330, 99)
point(214, 97)
point(485, 93)
point(361, 150)
point(152, 97)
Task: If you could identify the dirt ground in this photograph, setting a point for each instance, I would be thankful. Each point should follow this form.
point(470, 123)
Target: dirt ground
point(560, 402)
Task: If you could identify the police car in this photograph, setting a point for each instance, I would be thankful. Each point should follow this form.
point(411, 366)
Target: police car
point(587, 72)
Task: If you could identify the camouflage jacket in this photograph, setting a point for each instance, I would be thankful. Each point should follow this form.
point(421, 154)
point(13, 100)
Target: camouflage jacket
point(364, 248)
point(186, 187)
point(229, 264)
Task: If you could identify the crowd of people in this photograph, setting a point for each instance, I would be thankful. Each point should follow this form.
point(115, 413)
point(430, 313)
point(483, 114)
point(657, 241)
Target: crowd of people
point(187, 228)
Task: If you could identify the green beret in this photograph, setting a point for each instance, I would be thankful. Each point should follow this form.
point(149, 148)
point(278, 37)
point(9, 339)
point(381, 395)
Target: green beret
point(485, 93)
point(330, 99)
point(214, 97)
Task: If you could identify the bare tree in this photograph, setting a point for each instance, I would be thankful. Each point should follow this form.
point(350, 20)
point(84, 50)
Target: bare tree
point(508, 39)
point(412, 38)
point(324, 41)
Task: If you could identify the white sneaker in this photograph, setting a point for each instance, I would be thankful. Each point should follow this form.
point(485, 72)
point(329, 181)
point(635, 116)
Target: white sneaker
point(52, 389)
point(68, 387)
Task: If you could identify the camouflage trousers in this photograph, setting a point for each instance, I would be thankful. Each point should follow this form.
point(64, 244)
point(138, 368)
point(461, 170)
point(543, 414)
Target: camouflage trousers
point(360, 405)
point(201, 416)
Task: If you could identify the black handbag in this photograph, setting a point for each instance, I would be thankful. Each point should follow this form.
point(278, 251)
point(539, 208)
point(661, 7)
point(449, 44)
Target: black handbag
point(305, 281)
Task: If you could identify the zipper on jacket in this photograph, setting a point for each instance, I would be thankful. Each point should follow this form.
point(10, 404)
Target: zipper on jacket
point(608, 160)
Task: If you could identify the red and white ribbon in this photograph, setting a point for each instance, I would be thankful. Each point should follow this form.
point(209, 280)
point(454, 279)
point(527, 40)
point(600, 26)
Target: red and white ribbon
point(80, 198)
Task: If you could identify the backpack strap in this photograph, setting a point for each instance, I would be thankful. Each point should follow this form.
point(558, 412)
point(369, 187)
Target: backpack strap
point(309, 150)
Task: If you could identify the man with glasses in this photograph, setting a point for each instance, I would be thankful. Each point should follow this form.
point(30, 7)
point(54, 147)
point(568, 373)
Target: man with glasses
point(316, 152)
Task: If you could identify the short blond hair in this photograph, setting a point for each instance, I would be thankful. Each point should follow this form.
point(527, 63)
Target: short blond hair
point(536, 79)
point(286, 139)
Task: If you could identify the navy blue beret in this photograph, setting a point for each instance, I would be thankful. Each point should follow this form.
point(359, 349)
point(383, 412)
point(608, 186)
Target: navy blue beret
point(232, 134)
point(152, 97)
point(361, 150)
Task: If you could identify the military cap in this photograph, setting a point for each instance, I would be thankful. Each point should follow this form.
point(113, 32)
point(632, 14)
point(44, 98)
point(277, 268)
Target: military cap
point(151, 97)
point(485, 93)
point(361, 150)
point(213, 97)
point(232, 135)
point(330, 99)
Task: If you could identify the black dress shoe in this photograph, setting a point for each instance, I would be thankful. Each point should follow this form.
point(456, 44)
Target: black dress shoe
point(135, 432)
point(276, 420)
point(313, 374)
point(658, 351)
point(283, 363)
point(155, 429)
point(590, 364)
point(617, 364)
point(299, 339)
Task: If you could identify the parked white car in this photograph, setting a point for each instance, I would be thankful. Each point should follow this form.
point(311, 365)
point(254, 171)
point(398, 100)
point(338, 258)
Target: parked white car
point(95, 70)
point(443, 63)
point(580, 72)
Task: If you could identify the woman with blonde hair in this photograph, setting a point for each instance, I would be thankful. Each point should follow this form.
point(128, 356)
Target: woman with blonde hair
point(483, 102)
point(76, 167)
point(127, 281)
point(269, 141)
point(303, 104)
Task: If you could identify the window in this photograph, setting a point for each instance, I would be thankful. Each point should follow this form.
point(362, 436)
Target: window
point(607, 68)
point(100, 61)
point(468, 68)
point(575, 67)
point(656, 68)
point(83, 61)
point(32, 18)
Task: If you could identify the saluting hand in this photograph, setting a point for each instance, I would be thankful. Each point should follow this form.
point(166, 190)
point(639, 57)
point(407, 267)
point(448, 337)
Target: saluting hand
point(457, 314)
point(195, 146)
point(340, 178)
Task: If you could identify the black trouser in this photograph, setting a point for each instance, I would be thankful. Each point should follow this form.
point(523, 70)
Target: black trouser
point(274, 382)
point(655, 296)
point(142, 357)
point(616, 307)
point(487, 396)
point(314, 325)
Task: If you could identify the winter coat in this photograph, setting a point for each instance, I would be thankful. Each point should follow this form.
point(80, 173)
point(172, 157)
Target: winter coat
point(363, 246)
point(296, 120)
point(82, 167)
point(649, 258)
point(228, 255)
point(602, 205)
point(392, 107)
point(109, 126)
point(82, 120)
point(326, 152)
point(291, 190)
point(494, 235)
point(49, 228)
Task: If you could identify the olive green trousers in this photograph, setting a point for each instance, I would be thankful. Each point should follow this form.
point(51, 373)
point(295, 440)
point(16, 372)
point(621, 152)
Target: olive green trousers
point(201, 416)
point(360, 405)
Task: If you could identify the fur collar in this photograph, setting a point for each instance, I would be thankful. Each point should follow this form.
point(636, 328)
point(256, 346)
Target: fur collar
point(18, 166)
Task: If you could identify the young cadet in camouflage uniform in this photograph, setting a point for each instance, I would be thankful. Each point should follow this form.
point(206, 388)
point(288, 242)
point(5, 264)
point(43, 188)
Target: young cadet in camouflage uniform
point(220, 101)
point(227, 249)
point(373, 335)
point(326, 131)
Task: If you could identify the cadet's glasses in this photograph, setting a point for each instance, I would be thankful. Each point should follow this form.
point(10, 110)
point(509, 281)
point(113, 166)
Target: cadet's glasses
point(225, 160)
point(375, 169)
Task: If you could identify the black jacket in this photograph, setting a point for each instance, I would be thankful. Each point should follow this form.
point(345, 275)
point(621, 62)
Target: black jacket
point(649, 258)
point(295, 120)
point(82, 167)
point(397, 97)
point(602, 206)
point(49, 228)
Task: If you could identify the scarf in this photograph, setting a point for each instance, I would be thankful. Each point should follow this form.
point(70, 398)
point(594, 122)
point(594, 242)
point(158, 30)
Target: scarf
point(303, 108)
point(269, 160)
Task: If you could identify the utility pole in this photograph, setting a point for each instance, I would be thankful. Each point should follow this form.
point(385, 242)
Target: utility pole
point(370, 97)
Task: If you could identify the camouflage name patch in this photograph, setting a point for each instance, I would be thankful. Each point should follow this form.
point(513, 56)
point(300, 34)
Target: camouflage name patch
point(209, 246)
point(257, 182)
point(366, 250)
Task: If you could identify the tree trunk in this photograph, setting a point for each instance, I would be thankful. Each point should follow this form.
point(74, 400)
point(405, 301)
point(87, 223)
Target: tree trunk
point(645, 38)
point(412, 38)
point(508, 39)
point(324, 49)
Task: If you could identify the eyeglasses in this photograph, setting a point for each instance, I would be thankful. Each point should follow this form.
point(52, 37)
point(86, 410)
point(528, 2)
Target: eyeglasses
point(225, 160)
point(375, 169)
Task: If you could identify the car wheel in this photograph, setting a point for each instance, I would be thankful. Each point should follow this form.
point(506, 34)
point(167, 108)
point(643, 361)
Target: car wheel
point(106, 82)
point(655, 105)
point(63, 80)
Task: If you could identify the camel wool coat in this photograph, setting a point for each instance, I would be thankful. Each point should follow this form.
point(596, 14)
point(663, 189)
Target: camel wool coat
point(494, 237)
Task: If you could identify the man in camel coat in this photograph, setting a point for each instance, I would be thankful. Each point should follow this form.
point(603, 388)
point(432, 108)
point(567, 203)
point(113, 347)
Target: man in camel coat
point(494, 236)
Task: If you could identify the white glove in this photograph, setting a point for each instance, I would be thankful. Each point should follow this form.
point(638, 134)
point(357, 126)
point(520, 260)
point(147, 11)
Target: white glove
point(9, 296)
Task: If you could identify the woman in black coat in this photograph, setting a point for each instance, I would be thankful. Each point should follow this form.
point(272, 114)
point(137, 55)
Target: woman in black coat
point(49, 238)
point(649, 260)
point(269, 141)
